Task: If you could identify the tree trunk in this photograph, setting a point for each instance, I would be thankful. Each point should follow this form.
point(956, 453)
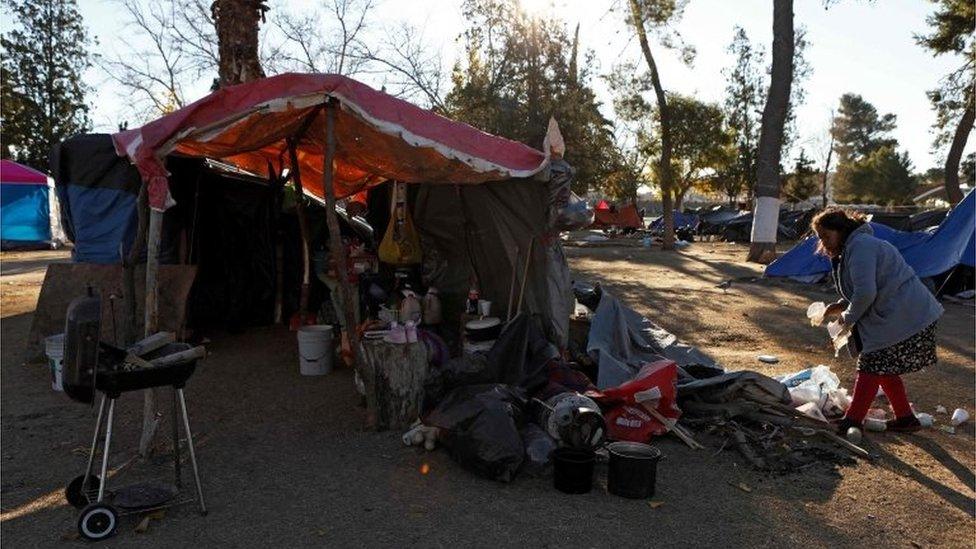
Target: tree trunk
point(766, 216)
point(393, 376)
point(955, 153)
point(237, 23)
point(826, 171)
point(679, 199)
point(666, 177)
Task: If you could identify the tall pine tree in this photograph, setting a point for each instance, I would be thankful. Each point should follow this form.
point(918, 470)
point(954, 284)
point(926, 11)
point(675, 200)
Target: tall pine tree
point(42, 100)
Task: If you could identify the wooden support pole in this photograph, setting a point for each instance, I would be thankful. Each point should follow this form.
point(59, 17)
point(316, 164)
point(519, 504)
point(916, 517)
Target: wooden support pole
point(296, 179)
point(150, 413)
point(129, 267)
point(335, 238)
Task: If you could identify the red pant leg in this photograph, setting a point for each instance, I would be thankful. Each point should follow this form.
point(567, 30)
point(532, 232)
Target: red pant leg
point(865, 389)
point(894, 389)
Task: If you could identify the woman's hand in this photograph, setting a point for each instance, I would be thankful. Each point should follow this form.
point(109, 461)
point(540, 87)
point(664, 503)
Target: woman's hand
point(834, 311)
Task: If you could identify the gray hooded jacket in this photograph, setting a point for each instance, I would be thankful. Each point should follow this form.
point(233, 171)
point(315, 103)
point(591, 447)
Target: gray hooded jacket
point(886, 300)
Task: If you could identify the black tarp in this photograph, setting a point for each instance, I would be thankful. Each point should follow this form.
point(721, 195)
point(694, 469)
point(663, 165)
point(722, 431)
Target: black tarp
point(480, 428)
point(228, 227)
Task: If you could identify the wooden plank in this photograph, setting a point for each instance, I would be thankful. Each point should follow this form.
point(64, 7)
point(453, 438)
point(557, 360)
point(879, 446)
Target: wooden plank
point(180, 357)
point(149, 344)
point(672, 426)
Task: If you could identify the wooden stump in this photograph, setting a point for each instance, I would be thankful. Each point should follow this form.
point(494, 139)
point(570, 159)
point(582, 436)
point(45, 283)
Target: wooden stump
point(394, 376)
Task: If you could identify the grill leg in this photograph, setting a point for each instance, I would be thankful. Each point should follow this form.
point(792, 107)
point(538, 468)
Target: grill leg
point(176, 442)
point(108, 441)
point(94, 447)
point(193, 456)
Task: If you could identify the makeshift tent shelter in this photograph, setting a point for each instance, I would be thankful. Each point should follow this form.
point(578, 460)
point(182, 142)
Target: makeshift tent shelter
point(929, 253)
point(367, 138)
point(29, 211)
point(687, 221)
point(606, 216)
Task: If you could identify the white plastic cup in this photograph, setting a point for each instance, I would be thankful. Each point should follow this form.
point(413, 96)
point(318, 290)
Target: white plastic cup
point(315, 349)
point(959, 416)
point(484, 307)
point(54, 349)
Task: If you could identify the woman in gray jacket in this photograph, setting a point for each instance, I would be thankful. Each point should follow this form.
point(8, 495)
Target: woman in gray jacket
point(891, 313)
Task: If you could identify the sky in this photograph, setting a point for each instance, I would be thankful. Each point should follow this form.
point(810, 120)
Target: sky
point(855, 46)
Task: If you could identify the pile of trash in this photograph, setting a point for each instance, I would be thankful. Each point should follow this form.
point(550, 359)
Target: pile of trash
point(816, 392)
point(622, 378)
point(755, 415)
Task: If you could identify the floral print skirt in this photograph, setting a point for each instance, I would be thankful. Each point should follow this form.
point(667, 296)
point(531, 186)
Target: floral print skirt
point(910, 355)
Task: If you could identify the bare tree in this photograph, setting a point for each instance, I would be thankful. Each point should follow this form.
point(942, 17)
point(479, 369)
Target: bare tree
point(410, 67)
point(175, 45)
point(153, 76)
point(309, 46)
point(822, 145)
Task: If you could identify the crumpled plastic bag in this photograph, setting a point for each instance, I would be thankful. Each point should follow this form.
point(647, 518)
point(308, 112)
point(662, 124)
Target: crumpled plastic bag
point(626, 405)
point(820, 387)
point(480, 428)
point(840, 334)
point(538, 449)
point(575, 215)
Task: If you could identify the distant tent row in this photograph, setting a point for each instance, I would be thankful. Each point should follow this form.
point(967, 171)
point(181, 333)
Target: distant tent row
point(930, 253)
point(29, 216)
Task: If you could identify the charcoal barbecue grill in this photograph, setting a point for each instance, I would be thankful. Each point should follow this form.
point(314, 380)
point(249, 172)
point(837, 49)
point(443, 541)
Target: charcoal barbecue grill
point(92, 366)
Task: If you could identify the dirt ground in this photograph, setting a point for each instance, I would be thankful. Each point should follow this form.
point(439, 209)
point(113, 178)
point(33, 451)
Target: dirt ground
point(285, 461)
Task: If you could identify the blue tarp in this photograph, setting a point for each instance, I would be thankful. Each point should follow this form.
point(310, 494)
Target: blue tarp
point(100, 220)
point(929, 253)
point(24, 213)
point(681, 221)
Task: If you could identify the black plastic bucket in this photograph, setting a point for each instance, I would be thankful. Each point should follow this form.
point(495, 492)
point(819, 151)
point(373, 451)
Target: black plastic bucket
point(573, 470)
point(632, 471)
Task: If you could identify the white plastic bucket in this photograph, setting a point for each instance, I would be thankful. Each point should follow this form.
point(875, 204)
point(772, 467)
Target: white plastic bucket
point(315, 349)
point(54, 349)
